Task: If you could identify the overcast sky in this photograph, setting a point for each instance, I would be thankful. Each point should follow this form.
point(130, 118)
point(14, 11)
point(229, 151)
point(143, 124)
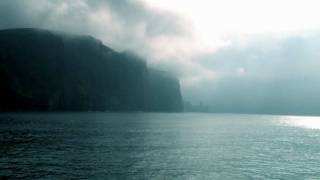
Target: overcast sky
point(234, 55)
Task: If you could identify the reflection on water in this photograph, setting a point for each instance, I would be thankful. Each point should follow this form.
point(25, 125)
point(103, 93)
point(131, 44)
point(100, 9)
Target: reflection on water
point(158, 146)
point(302, 121)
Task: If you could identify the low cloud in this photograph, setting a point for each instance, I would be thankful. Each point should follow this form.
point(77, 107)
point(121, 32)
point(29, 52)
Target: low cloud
point(124, 25)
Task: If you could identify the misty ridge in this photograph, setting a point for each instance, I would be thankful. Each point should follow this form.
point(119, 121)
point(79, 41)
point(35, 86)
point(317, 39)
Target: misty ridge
point(41, 70)
point(44, 70)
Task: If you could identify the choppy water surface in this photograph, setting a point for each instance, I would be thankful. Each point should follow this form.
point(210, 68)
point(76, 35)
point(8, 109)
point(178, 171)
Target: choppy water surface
point(159, 146)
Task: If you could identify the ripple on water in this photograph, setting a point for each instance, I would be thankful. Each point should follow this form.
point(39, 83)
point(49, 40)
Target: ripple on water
point(158, 146)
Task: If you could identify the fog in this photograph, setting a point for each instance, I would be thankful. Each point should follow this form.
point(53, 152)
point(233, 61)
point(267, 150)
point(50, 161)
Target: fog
point(255, 58)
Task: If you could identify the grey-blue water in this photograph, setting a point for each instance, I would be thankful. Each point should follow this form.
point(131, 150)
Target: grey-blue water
point(158, 146)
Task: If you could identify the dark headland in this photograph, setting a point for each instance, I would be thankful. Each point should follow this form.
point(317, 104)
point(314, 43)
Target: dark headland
point(41, 70)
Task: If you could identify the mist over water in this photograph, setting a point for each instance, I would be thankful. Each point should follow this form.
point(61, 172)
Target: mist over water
point(158, 145)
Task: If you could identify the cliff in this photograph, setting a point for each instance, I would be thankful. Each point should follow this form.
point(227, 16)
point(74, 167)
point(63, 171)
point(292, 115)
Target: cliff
point(42, 70)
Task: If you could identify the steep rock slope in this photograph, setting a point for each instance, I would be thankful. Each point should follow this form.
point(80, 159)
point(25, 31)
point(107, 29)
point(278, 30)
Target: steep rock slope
point(42, 70)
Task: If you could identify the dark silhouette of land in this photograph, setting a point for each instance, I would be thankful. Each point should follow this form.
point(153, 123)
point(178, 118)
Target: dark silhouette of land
point(42, 70)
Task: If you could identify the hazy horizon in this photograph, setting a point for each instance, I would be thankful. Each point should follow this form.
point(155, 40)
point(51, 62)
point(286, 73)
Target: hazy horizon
point(234, 56)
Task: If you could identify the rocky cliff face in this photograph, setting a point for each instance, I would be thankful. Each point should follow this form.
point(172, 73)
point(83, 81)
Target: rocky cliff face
point(42, 71)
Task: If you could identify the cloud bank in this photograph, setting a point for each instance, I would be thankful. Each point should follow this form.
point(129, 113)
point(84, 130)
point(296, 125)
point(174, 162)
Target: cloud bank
point(265, 75)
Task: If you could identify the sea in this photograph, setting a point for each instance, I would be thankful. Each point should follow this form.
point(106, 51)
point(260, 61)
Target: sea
point(96, 145)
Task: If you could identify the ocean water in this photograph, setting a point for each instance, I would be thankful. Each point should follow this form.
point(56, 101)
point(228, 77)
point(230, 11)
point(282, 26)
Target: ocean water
point(158, 146)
